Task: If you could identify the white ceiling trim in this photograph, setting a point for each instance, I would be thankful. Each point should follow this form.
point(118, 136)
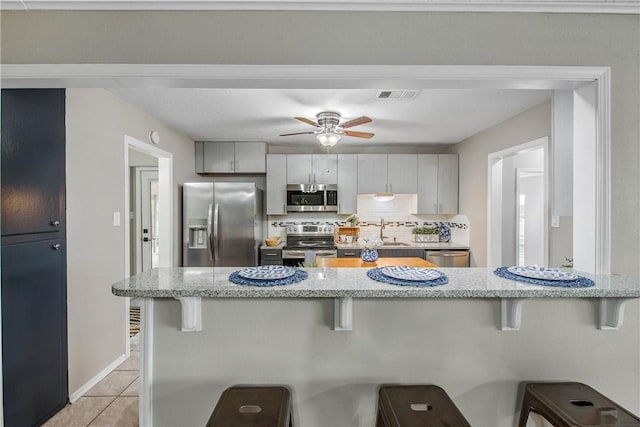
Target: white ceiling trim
point(297, 76)
point(547, 6)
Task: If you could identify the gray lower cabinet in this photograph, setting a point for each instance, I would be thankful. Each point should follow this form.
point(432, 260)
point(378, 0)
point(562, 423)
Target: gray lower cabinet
point(270, 256)
point(384, 253)
point(400, 253)
point(348, 253)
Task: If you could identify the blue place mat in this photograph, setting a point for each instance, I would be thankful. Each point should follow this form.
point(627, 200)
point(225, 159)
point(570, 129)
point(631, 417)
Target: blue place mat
point(376, 274)
point(580, 282)
point(298, 276)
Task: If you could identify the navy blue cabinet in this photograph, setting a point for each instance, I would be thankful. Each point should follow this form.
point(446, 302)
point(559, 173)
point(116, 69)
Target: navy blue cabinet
point(34, 291)
point(33, 160)
point(34, 331)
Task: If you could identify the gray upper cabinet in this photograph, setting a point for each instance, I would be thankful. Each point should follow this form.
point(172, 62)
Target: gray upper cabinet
point(438, 183)
point(299, 168)
point(395, 173)
point(402, 173)
point(347, 183)
point(372, 173)
point(447, 183)
point(250, 157)
point(230, 157)
point(308, 168)
point(276, 184)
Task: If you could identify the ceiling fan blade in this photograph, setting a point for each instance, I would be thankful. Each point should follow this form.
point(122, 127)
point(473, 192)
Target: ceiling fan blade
point(355, 122)
point(307, 121)
point(298, 133)
point(358, 134)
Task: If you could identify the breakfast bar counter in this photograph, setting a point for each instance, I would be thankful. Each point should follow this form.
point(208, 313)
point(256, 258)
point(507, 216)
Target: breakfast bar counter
point(336, 336)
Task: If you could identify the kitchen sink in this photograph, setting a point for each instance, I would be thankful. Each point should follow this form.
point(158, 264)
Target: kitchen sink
point(395, 244)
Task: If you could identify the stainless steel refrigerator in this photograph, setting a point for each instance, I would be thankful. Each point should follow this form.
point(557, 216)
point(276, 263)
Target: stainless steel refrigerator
point(221, 224)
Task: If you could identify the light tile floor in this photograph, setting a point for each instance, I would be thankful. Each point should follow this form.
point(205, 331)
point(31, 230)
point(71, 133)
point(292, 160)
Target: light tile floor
point(111, 402)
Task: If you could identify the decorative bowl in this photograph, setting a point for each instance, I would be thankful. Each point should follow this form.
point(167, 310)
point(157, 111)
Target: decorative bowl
point(272, 241)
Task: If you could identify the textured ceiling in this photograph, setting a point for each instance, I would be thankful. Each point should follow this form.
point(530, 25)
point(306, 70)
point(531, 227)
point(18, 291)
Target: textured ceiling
point(434, 116)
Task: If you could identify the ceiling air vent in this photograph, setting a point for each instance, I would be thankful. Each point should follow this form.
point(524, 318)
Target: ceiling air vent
point(397, 94)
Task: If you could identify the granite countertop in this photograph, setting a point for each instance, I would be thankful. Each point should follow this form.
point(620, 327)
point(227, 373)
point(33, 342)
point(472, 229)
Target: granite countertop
point(411, 245)
point(278, 246)
point(353, 282)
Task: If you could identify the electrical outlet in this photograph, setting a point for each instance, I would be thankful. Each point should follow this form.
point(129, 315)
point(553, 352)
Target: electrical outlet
point(555, 221)
point(116, 219)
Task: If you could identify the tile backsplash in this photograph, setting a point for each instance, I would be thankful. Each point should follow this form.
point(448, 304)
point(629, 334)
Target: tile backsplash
point(397, 214)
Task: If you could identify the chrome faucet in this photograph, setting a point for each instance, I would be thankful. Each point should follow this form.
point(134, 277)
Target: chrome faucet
point(382, 228)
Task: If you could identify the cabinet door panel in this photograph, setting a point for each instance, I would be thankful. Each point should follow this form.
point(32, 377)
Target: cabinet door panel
point(276, 184)
point(219, 157)
point(299, 169)
point(372, 173)
point(250, 157)
point(33, 160)
point(448, 183)
point(402, 173)
point(325, 168)
point(347, 183)
point(428, 183)
point(34, 331)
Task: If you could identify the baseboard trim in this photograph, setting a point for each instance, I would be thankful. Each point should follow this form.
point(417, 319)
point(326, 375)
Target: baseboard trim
point(96, 379)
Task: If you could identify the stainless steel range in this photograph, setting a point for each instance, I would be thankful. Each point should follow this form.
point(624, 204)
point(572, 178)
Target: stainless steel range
point(306, 242)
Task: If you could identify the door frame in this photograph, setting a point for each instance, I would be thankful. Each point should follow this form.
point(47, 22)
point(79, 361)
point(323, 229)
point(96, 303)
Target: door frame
point(165, 210)
point(494, 237)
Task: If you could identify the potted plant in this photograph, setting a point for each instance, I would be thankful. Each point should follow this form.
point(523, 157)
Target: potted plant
point(425, 234)
point(352, 220)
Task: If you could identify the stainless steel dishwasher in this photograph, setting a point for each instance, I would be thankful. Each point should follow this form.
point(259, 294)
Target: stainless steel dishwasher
point(448, 258)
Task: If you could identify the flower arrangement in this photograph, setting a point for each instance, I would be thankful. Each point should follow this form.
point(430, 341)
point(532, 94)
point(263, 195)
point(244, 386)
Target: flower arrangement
point(352, 219)
point(369, 243)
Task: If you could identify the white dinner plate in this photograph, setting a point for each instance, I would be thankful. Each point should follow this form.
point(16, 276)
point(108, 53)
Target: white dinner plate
point(267, 272)
point(542, 273)
point(415, 274)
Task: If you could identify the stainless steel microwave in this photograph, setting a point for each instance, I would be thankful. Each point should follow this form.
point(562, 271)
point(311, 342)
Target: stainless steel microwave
point(312, 198)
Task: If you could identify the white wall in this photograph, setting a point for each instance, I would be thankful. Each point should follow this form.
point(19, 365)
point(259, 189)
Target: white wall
point(474, 151)
point(96, 124)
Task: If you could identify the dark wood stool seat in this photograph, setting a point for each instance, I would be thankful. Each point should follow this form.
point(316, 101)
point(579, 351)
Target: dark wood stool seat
point(417, 406)
point(573, 405)
point(253, 406)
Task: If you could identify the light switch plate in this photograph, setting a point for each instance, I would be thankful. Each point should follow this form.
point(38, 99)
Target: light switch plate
point(555, 221)
point(116, 219)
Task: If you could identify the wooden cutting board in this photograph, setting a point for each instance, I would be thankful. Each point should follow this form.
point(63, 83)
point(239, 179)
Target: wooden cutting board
point(381, 262)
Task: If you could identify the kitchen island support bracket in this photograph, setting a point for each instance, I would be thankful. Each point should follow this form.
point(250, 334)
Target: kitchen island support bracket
point(343, 314)
point(511, 313)
point(612, 312)
point(191, 313)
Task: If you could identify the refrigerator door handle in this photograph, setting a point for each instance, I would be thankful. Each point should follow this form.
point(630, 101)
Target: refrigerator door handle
point(209, 247)
point(216, 240)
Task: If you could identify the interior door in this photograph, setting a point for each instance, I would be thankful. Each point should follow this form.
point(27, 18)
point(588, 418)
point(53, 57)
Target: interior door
point(147, 229)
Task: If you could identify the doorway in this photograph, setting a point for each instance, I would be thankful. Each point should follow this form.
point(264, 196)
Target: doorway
point(530, 213)
point(518, 205)
point(149, 206)
point(144, 233)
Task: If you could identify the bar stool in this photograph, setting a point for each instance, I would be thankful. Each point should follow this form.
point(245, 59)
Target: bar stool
point(417, 406)
point(254, 406)
point(570, 404)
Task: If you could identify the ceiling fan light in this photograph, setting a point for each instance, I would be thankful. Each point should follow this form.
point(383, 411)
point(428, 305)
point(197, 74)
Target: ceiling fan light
point(328, 139)
point(384, 197)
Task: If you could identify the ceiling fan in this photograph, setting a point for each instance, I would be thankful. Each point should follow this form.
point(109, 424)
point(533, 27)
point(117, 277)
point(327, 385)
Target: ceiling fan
point(330, 130)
